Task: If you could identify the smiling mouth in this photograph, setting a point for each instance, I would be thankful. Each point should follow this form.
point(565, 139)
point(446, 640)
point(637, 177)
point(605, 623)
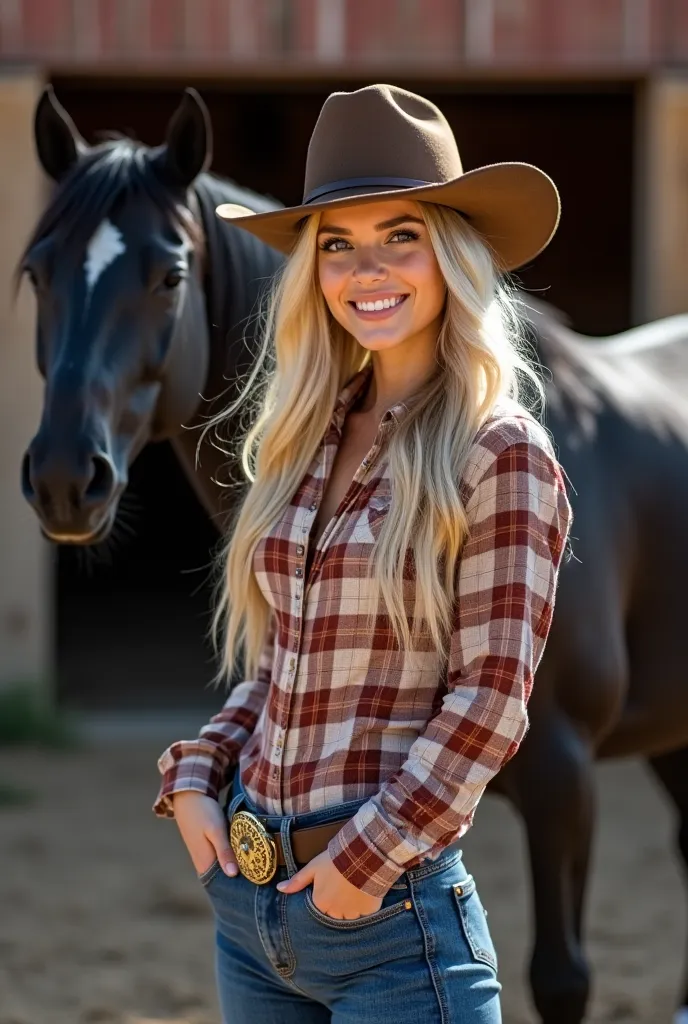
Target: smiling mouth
point(378, 309)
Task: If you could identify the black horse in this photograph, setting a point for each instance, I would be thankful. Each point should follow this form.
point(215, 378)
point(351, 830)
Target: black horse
point(143, 298)
point(143, 301)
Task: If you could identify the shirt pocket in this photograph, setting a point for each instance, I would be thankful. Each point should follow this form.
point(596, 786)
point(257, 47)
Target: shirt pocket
point(369, 521)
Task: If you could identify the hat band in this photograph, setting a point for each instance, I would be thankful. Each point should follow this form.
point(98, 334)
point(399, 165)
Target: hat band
point(345, 183)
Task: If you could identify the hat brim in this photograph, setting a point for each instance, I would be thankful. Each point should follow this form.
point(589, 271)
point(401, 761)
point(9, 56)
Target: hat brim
point(514, 206)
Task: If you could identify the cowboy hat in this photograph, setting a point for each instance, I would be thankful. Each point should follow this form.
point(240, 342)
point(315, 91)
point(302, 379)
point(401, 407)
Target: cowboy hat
point(382, 142)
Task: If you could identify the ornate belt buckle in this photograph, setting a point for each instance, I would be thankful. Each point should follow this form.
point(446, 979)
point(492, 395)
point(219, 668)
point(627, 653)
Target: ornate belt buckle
point(253, 846)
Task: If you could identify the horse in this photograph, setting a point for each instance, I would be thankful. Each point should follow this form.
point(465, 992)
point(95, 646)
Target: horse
point(146, 303)
point(155, 295)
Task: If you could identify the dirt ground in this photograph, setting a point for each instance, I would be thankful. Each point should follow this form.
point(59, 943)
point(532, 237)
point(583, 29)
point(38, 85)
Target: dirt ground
point(102, 920)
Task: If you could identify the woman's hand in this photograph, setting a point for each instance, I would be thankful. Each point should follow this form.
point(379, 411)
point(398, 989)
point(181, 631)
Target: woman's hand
point(332, 894)
point(203, 827)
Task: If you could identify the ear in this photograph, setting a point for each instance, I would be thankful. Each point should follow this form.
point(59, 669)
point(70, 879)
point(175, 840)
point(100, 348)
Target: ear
point(58, 143)
point(188, 148)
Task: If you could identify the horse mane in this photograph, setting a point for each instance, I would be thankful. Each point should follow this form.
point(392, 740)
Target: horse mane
point(239, 269)
point(114, 169)
point(642, 373)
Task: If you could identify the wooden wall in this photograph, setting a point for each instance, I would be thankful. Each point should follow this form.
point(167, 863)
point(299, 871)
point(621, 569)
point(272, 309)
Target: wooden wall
point(661, 235)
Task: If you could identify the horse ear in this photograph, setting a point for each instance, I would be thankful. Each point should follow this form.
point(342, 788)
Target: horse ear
point(188, 148)
point(58, 142)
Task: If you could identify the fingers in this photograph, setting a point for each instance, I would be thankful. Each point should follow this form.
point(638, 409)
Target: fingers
point(217, 836)
point(298, 881)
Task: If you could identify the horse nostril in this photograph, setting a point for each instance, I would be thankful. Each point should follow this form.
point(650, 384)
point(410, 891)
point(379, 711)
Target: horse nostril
point(102, 482)
point(27, 487)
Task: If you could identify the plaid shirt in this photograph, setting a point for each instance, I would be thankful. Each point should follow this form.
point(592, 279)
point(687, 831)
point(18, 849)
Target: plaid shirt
point(340, 713)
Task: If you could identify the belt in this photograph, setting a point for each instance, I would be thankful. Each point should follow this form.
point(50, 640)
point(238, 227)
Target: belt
point(259, 853)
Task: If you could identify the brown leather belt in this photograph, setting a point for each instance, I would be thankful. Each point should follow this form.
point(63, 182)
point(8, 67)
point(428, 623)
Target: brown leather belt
point(259, 853)
point(307, 843)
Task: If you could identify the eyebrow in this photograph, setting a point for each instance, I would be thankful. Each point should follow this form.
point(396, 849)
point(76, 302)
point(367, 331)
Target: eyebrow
point(393, 223)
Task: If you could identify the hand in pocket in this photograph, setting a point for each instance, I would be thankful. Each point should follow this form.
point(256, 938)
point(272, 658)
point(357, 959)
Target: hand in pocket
point(203, 828)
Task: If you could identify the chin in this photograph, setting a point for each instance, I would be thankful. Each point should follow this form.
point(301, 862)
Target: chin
point(379, 344)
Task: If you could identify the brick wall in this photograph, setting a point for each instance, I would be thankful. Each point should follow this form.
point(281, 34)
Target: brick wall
point(304, 34)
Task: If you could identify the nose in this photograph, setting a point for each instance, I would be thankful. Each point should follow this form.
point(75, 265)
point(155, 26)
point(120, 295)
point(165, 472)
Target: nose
point(69, 495)
point(369, 267)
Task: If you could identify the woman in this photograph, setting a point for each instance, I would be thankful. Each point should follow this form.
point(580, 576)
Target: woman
point(390, 581)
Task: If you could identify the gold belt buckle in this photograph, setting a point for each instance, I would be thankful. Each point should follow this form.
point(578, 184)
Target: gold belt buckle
point(253, 846)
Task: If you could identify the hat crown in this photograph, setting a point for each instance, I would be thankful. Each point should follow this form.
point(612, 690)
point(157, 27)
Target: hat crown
point(380, 131)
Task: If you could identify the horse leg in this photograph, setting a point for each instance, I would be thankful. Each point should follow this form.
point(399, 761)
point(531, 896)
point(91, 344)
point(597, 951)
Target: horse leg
point(672, 771)
point(553, 782)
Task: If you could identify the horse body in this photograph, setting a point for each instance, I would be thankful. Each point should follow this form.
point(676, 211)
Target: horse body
point(131, 369)
point(612, 680)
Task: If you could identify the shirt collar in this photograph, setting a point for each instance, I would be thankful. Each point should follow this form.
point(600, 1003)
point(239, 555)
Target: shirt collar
point(350, 392)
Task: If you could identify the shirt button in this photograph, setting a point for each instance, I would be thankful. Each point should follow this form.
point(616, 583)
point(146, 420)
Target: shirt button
point(300, 549)
point(299, 573)
point(292, 662)
point(313, 507)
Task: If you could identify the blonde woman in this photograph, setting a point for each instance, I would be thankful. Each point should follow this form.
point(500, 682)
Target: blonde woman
point(390, 580)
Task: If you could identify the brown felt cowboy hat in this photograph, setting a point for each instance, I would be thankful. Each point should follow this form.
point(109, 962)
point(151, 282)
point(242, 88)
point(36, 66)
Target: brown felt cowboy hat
point(382, 142)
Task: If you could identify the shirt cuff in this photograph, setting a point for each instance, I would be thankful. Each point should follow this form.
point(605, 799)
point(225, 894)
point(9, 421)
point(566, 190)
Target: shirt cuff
point(199, 771)
point(357, 852)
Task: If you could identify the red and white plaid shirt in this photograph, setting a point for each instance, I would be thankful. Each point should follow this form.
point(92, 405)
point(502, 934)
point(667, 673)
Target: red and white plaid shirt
point(339, 712)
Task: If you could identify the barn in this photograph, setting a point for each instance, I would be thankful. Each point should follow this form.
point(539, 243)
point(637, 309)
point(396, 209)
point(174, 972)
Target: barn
point(594, 92)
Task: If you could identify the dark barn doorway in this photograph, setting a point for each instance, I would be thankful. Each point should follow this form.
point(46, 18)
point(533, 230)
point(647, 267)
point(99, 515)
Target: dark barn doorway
point(131, 621)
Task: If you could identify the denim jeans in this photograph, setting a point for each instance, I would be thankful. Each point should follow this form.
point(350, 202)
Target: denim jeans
point(425, 956)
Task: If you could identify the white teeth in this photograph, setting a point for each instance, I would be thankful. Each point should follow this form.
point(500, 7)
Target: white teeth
point(370, 307)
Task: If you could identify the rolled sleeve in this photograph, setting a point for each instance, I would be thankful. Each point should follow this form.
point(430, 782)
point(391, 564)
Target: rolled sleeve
point(519, 517)
point(203, 765)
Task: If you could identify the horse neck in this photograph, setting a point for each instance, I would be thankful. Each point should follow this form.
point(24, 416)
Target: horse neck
point(237, 268)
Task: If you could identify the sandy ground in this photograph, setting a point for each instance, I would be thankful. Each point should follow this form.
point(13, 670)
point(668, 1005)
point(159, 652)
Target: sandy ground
point(102, 920)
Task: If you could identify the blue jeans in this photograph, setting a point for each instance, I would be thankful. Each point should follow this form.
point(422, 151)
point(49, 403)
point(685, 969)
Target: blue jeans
point(426, 955)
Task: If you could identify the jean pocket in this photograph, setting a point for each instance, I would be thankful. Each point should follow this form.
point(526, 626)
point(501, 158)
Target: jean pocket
point(473, 918)
point(393, 903)
point(207, 876)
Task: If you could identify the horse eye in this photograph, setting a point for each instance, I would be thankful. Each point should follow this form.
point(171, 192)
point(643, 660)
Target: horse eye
point(173, 278)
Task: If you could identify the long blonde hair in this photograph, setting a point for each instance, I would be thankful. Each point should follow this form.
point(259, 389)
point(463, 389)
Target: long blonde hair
point(305, 358)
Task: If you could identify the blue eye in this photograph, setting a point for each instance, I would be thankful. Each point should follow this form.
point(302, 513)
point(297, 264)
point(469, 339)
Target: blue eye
point(329, 242)
point(412, 235)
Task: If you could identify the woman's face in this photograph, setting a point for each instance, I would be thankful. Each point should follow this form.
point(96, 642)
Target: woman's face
point(379, 274)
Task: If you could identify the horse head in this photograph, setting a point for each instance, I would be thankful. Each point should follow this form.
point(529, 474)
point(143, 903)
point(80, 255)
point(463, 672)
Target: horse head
point(116, 264)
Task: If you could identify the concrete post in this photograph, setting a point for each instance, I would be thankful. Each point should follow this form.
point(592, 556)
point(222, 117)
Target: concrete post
point(25, 560)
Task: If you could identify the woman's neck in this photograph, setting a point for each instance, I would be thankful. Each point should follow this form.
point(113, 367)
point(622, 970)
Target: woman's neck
point(395, 379)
